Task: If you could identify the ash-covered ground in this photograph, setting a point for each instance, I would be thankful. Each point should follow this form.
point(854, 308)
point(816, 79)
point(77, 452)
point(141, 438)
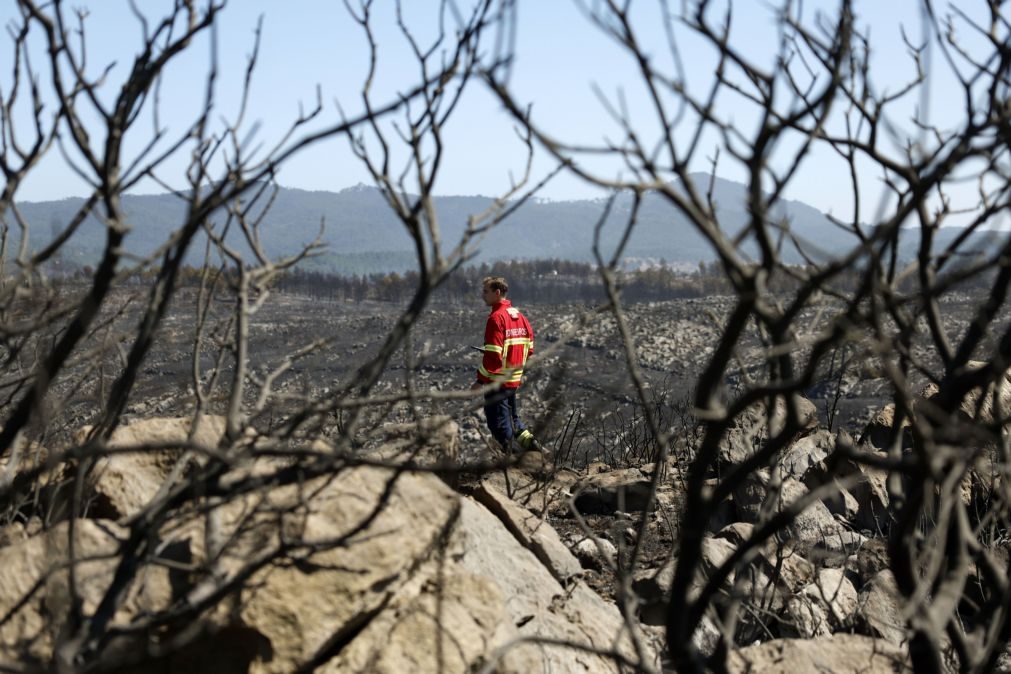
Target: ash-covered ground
point(578, 394)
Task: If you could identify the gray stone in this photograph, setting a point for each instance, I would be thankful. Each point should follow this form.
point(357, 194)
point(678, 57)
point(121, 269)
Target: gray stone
point(881, 608)
point(839, 653)
point(537, 604)
point(755, 425)
point(126, 482)
point(533, 532)
point(807, 455)
point(871, 494)
point(606, 493)
point(822, 606)
point(595, 553)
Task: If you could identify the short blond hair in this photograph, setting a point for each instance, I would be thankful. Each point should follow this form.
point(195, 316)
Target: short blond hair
point(495, 283)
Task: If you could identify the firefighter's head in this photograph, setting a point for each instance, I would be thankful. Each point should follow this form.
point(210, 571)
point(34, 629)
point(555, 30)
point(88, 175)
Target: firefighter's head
point(493, 289)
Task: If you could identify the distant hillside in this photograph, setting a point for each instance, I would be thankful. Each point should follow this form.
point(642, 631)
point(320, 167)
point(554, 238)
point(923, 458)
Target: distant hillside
point(362, 235)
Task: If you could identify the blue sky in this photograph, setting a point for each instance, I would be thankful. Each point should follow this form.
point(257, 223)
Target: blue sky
point(561, 58)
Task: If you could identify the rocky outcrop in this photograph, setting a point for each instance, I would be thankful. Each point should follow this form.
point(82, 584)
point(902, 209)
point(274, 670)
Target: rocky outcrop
point(363, 536)
point(35, 587)
point(823, 606)
point(880, 608)
point(366, 570)
point(536, 604)
point(839, 653)
point(756, 424)
point(124, 483)
point(620, 490)
point(532, 532)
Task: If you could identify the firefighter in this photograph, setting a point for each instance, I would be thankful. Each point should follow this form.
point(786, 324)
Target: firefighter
point(508, 342)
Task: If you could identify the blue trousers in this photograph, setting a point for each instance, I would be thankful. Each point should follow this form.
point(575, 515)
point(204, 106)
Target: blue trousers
point(502, 414)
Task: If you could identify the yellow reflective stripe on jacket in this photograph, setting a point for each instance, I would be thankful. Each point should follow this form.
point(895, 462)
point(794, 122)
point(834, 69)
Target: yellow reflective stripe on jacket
point(526, 342)
point(507, 374)
point(494, 376)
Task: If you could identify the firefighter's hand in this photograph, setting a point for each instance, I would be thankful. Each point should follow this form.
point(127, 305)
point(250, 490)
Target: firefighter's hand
point(476, 386)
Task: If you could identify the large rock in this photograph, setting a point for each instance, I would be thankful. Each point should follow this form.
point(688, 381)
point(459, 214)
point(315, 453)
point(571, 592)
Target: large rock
point(124, 483)
point(978, 404)
point(813, 527)
point(354, 542)
point(780, 562)
point(755, 425)
point(749, 495)
point(603, 494)
point(880, 430)
point(449, 628)
point(537, 605)
point(533, 532)
point(35, 587)
point(595, 553)
point(539, 495)
point(432, 442)
point(715, 553)
point(871, 493)
point(840, 654)
point(871, 558)
point(822, 606)
point(842, 503)
point(805, 458)
point(881, 608)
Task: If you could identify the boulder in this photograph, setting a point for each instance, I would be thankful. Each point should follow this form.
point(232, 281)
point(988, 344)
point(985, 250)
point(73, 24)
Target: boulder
point(822, 606)
point(652, 587)
point(595, 553)
point(715, 552)
point(125, 483)
point(736, 533)
point(879, 430)
point(813, 527)
point(532, 491)
point(452, 627)
point(842, 503)
point(533, 532)
point(978, 404)
point(805, 458)
point(881, 608)
point(870, 559)
point(871, 494)
point(35, 587)
point(364, 535)
point(432, 442)
point(605, 493)
point(782, 563)
point(706, 637)
point(750, 494)
point(537, 605)
point(839, 653)
point(755, 425)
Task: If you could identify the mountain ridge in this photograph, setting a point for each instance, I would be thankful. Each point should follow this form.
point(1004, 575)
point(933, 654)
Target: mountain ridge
point(362, 235)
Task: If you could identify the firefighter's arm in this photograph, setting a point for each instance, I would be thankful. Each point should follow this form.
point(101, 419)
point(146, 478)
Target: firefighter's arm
point(494, 352)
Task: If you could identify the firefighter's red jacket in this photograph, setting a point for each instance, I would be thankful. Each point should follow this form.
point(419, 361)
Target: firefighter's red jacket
point(508, 342)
